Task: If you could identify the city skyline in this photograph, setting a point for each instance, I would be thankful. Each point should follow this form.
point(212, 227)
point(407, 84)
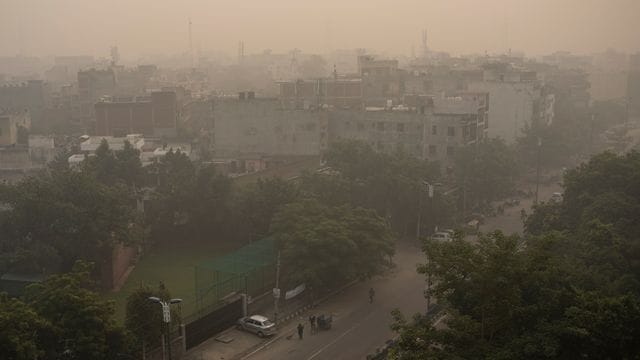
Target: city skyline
point(69, 27)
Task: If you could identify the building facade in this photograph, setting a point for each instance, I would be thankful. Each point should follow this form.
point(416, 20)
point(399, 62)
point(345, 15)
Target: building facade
point(152, 116)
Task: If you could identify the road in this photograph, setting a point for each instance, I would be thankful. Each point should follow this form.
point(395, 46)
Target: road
point(359, 328)
point(510, 222)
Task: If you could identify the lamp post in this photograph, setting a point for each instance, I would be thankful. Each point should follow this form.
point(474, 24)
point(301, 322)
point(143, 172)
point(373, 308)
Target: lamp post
point(166, 318)
point(430, 192)
point(538, 169)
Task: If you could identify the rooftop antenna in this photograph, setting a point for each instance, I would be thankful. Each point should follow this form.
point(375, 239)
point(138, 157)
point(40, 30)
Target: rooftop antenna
point(240, 52)
point(190, 44)
point(425, 45)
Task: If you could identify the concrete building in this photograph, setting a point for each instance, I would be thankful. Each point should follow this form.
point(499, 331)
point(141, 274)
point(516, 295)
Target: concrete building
point(514, 99)
point(340, 93)
point(10, 124)
point(382, 81)
point(633, 86)
point(32, 95)
point(385, 130)
point(154, 116)
point(453, 123)
point(261, 126)
point(41, 149)
point(92, 85)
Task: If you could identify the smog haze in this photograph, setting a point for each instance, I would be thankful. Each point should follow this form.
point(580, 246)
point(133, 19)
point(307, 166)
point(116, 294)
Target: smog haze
point(143, 27)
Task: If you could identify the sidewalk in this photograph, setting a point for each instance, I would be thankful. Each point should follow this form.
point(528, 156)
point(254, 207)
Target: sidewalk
point(244, 344)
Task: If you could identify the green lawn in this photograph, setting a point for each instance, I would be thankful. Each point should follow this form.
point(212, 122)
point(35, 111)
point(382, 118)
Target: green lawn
point(172, 265)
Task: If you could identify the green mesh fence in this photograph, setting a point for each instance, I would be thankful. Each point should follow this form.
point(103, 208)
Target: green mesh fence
point(250, 270)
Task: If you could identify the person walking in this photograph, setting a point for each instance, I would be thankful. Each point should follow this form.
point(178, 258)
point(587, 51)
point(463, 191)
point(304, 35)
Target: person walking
point(372, 293)
point(300, 330)
point(312, 323)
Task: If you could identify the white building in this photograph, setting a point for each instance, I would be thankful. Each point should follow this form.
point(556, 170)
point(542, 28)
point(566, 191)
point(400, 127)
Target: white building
point(514, 100)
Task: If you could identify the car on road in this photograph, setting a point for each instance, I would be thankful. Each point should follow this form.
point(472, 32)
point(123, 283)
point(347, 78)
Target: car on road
point(441, 236)
point(257, 324)
point(556, 197)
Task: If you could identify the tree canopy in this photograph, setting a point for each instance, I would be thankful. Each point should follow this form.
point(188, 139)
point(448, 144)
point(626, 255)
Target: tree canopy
point(568, 290)
point(325, 246)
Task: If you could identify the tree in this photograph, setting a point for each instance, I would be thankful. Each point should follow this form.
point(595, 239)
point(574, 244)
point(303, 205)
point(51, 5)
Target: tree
point(390, 184)
point(57, 218)
point(25, 334)
point(263, 201)
point(569, 290)
point(82, 323)
point(326, 246)
point(486, 171)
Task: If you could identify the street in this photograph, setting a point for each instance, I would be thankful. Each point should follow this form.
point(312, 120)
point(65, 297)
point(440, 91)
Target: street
point(359, 328)
point(510, 222)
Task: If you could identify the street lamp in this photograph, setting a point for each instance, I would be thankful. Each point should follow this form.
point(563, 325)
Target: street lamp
point(430, 192)
point(166, 317)
point(538, 169)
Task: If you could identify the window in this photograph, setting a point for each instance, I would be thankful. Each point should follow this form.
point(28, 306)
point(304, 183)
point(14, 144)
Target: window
point(400, 127)
point(450, 150)
point(451, 131)
point(434, 130)
point(433, 150)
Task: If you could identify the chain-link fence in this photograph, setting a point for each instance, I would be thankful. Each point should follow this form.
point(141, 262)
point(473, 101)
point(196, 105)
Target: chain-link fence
point(249, 270)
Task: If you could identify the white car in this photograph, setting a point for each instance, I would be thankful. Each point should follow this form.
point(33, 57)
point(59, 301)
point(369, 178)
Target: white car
point(257, 324)
point(556, 197)
point(441, 236)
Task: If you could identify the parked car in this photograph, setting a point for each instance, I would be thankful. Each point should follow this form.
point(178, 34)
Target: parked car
point(556, 196)
point(441, 236)
point(257, 324)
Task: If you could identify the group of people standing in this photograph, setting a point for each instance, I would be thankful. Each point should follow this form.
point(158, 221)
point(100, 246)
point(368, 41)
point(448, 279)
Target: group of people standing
point(313, 320)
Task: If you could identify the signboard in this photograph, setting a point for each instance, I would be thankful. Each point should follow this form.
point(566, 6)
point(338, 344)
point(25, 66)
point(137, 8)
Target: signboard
point(294, 292)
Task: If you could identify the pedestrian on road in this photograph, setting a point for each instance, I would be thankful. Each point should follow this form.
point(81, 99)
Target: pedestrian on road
point(312, 322)
point(300, 330)
point(372, 293)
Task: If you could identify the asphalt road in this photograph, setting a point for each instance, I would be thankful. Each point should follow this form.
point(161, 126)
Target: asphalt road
point(359, 327)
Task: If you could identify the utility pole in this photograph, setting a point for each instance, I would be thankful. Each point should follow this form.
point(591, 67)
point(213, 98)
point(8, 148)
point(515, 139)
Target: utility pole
point(538, 170)
point(276, 291)
point(419, 215)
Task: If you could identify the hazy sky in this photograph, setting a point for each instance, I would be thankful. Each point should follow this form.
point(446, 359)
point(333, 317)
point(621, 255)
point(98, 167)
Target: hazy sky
point(140, 27)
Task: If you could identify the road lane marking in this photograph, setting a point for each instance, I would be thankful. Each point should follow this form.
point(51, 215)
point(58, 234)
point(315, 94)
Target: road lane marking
point(340, 337)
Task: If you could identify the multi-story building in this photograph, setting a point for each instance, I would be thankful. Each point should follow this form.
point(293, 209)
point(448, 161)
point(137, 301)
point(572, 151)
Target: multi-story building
point(32, 95)
point(455, 122)
point(92, 85)
point(342, 93)
point(514, 98)
point(247, 125)
point(382, 81)
point(633, 86)
point(11, 123)
point(385, 130)
point(156, 115)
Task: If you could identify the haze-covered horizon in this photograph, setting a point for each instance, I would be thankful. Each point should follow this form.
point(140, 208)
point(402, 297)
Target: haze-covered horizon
point(141, 27)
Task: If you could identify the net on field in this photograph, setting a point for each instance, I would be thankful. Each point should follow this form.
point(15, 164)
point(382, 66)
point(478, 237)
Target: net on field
point(249, 270)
